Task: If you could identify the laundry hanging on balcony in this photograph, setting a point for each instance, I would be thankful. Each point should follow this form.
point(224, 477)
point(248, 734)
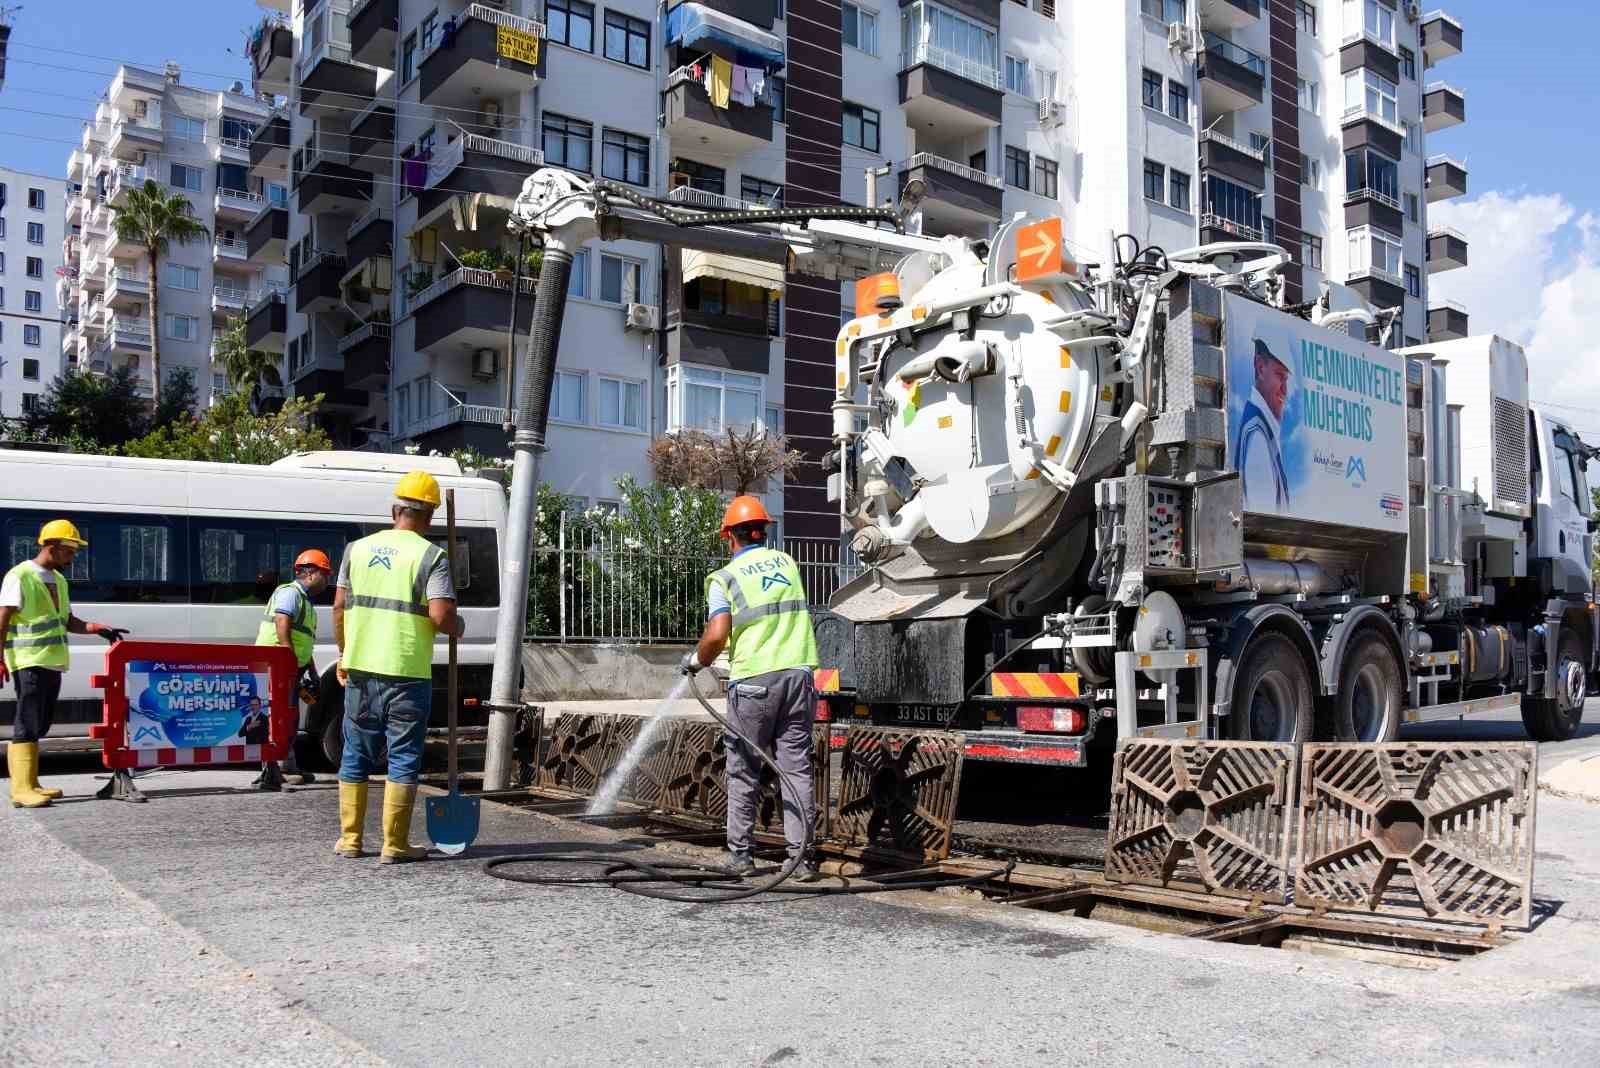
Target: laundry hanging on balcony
point(695, 24)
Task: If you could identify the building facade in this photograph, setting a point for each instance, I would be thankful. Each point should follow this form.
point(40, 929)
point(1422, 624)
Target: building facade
point(192, 142)
point(30, 269)
point(409, 125)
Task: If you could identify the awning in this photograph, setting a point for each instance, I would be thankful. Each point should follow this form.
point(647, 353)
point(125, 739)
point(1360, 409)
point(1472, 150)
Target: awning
point(692, 24)
point(461, 211)
point(758, 273)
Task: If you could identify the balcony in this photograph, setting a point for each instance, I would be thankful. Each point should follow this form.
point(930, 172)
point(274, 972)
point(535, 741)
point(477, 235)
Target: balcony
point(1447, 320)
point(229, 301)
point(131, 136)
point(128, 335)
point(957, 199)
point(331, 79)
point(269, 148)
point(1443, 106)
point(1447, 177)
point(238, 204)
point(74, 210)
point(1231, 78)
point(327, 185)
point(1361, 51)
point(324, 374)
point(266, 327)
point(316, 284)
point(1441, 36)
point(1374, 207)
point(128, 176)
point(372, 138)
point(467, 309)
point(267, 237)
point(271, 51)
point(472, 163)
point(369, 236)
point(127, 287)
point(728, 131)
point(1231, 159)
point(374, 27)
point(947, 93)
point(462, 426)
point(1447, 249)
point(1377, 287)
point(230, 250)
point(479, 62)
point(1219, 228)
point(746, 349)
point(1229, 14)
point(366, 356)
point(123, 249)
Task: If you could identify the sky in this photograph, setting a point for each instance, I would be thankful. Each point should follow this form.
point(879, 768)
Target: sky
point(1532, 216)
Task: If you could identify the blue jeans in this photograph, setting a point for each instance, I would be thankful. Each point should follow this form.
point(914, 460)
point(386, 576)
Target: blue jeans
point(381, 710)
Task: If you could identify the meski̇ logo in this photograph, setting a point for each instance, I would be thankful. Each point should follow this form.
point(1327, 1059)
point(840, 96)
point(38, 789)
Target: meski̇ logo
point(1355, 470)
point(769, 581)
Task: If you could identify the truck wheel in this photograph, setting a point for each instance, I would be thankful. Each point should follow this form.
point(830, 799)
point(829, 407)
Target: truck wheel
point(1272, 699)
point(1367, 706)
point(333, 741)
point(1557, 720)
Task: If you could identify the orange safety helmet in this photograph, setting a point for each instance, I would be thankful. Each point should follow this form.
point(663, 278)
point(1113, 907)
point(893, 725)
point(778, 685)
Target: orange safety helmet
point(314, 558)
point(743, 510)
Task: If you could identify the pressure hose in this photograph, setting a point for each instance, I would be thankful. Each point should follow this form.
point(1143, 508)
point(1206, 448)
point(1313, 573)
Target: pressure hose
point(711, 885)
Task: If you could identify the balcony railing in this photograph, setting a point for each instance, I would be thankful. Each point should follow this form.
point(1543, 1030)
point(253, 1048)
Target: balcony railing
point(460, 413)
point(1447, 231)
point(230, 296)
point(1441, 159)
point(701, 198)
point(1227, 225)
point(241, 144)
point(451, 156)
point(241, 199)
point(464, 276)
point(270, 296)
point(1355, 196)
point(364, 332)
point(1360, 112)
point(1253, 153)
point(316, 259)
point(959, 65)
point(1446, 304)
point(1361, 33)
point(372, 214)
point(494, 17)
point(337, 51)
point(961, 170)
point(1233, 53)
point(232, 246)
point(1434, 87)
point(1369, 271)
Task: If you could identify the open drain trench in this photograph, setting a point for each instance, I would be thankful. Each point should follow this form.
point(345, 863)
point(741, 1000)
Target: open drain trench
point(1411, 854)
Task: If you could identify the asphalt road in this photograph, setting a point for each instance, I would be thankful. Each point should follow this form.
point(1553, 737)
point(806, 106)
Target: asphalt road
point(215, 925)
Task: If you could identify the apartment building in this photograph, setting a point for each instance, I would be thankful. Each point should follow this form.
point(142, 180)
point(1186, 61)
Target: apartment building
point(410, 124)
point(193, 142)
point(30, 267)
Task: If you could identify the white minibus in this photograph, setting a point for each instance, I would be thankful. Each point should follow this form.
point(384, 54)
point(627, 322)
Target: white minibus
point(192, 551)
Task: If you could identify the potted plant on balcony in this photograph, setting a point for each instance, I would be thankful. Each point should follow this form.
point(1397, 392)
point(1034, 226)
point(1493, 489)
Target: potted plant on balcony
point(480, 259)
point(416, 281)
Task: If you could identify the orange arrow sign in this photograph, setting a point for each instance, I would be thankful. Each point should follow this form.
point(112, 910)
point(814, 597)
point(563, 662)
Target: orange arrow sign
point(1039, 251)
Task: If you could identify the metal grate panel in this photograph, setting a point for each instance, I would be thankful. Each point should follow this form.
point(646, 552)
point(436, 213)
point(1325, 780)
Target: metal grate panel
point(645, 783)
point(769, 805)
point(1216, 816)
point(1511, 463)
point(693, 772)
point(898, 789)
point(1419, 828)
point(576, 750)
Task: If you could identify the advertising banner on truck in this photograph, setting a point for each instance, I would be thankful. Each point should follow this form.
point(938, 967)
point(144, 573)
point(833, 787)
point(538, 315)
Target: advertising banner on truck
point(1316, 420)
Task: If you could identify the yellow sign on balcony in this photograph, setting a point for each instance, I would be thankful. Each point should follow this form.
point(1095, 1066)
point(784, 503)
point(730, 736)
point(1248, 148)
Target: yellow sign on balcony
point(519, 45)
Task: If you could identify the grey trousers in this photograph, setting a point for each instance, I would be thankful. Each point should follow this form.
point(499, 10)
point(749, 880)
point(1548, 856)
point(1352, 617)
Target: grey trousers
point(775, 711)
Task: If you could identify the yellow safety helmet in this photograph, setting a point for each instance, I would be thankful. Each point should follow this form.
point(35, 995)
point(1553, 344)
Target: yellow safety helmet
point(61, 530)
point(419, 486)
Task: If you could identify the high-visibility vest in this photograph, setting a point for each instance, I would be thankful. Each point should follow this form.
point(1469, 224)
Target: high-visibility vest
point(386, 626)
point(38, 636)
point(771, 620)
point(302, 625)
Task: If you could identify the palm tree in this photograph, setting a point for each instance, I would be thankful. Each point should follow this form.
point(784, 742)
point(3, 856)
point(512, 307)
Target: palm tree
point(247, 369)
point(151, 218)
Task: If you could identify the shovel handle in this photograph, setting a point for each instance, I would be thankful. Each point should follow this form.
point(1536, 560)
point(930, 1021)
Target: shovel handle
point(454, 696)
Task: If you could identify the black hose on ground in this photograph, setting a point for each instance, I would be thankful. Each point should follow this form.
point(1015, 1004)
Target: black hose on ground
point(712, 884)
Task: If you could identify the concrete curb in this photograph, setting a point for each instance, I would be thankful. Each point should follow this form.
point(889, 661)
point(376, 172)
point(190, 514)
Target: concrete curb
point(1578, 777)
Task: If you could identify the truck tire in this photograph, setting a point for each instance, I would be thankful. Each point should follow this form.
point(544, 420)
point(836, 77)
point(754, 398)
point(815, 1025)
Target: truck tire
point(1557, 720)
point(1272, 698)
point(333, 741)
point(1368, 705)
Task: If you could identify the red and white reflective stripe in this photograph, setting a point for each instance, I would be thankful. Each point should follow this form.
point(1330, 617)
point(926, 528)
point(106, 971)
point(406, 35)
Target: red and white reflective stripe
point(180, 758)
point(1042, 753)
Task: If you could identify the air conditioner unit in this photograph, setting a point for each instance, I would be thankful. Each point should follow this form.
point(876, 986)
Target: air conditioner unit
point(640, 317)
point(1049, 112)
point(485, 362)
point(1180, 36)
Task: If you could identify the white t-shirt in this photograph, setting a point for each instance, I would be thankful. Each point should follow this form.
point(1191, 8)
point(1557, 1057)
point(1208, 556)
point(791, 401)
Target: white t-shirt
point(11, 588)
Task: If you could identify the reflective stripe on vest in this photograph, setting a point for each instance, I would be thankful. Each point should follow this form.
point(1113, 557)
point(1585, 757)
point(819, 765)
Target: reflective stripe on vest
point(38, 635)
point(387, 630)
point(771, 620)
point(302, 625)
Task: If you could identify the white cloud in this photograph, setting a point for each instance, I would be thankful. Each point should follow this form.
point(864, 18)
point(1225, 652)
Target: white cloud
point(1534, 268)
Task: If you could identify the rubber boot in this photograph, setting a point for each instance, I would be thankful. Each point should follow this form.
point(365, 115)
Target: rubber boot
point(397, 804)
point(352, 818)
point(23, 760)
point(48, 792)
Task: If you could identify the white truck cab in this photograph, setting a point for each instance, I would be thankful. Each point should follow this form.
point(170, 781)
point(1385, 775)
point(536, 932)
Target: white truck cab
point(1563, 540)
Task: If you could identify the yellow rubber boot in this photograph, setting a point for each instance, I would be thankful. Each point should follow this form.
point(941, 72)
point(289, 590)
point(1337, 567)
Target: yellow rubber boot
point(23, 761)
point(48, 792)
point(397, 804)
point(352, 818)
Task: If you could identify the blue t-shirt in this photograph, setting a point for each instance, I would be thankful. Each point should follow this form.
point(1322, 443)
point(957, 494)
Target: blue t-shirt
point(287, 601)
point(716, 596)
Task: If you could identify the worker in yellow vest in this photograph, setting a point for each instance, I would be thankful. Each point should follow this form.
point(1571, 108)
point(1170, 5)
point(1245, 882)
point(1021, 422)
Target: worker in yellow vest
point(291, 620)
point(36, 603)
point(393, 595)
point(756, 606)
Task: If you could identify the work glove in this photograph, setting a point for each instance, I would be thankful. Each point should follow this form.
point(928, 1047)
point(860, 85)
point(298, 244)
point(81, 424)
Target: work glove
point(110, 634)
point(310, 685)
point(690, 664)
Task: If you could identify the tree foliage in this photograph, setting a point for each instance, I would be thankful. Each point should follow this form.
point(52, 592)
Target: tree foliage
point(228, 432)
point(178, 400)
point(248, 370)
point(737, 461)
point(103, 412)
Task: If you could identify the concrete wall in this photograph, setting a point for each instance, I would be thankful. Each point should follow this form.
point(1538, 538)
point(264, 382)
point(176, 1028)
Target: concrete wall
point(599, 672)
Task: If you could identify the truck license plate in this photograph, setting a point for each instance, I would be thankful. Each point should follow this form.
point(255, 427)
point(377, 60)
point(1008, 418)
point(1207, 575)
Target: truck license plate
point(921, 715)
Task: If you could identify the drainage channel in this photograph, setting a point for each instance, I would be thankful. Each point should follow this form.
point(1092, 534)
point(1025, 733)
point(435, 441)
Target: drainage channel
point(1069, 880)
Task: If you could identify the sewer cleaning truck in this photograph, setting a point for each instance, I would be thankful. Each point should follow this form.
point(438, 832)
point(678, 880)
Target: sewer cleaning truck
point(1141, 498)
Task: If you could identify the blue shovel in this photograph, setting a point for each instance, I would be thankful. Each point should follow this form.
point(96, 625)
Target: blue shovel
point(452, 819)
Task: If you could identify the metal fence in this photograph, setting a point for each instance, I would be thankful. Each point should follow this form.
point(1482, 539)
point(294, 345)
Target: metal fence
point(598, 586)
